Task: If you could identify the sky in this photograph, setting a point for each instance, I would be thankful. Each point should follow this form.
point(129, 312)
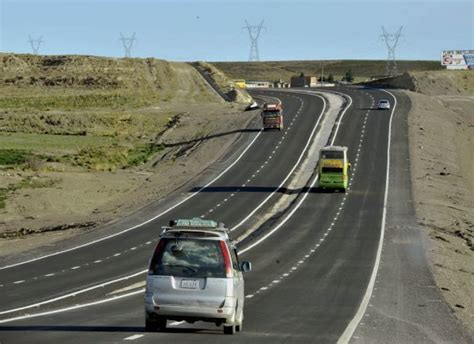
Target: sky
point(213, 30)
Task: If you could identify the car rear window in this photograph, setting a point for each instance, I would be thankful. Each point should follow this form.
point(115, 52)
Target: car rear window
point(188, 258)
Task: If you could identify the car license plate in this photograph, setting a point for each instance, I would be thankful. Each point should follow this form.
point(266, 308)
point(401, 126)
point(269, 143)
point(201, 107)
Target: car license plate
point(189, 284)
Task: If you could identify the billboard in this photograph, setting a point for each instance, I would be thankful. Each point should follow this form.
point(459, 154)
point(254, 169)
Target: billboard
point(461, 59)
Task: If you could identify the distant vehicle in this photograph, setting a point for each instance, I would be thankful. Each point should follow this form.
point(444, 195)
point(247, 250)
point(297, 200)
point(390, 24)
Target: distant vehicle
point(383, 104)
point(240, 83)
point(272, 116)
point(333, 168)
point(194, 275)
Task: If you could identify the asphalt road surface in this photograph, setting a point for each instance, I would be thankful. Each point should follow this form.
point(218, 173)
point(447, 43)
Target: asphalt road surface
point(315, 267)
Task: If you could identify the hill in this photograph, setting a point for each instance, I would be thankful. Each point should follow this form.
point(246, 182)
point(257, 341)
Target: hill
point(274, 70)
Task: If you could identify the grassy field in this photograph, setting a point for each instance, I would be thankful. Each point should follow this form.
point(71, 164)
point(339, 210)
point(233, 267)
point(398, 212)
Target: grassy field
point(275, 70)
point(60, 112)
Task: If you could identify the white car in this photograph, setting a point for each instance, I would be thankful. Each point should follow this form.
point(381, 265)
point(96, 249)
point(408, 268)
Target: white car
point(383, 104)
point(195, 274)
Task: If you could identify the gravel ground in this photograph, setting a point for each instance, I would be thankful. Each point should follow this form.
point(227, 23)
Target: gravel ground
point(441, 130)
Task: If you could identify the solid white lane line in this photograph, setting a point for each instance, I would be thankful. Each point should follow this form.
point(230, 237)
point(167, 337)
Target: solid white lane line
point(351, 327)
point(143, 223)
point(340, 119)
point(27, 316)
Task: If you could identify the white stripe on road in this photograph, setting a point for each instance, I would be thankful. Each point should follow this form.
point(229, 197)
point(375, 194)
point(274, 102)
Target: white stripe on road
point(135, 336)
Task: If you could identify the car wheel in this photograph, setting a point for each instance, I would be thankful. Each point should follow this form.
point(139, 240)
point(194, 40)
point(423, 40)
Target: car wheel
point(151, 326)
point(240, 320)
point(229, 329)
point(238, 327)
point(161, 324)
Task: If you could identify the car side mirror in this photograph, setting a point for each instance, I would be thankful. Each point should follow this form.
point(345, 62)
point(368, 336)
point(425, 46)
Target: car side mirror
point(348, 165)
point(245, 266)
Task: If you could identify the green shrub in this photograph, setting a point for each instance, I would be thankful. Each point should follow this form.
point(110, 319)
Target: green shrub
point(13, 156)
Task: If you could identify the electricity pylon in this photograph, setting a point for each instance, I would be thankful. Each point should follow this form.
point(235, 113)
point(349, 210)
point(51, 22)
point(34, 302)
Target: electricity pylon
point(35, 44)
point(391, 41)
point(127, 43)
point(254, 34)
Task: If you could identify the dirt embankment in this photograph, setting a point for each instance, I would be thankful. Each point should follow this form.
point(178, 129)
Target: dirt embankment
point(441, 132)
point(226, 85)
point(84, 140)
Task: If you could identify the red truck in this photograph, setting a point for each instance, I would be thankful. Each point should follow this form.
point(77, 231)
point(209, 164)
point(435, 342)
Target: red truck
point(272, 116)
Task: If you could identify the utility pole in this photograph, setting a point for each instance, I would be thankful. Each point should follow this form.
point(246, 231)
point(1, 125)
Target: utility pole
point(322, 73)
point(35, 43)
point(391, 41)
point(254, 34)
point(127, 43)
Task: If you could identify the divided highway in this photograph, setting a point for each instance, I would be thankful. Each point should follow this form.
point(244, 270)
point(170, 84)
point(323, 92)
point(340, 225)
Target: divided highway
point(253, 174)
point(310, 274)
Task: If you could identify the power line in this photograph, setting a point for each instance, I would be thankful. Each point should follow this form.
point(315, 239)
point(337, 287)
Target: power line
point(35, 43)
point(391, 41)
point(254, 34)
point(127, 43)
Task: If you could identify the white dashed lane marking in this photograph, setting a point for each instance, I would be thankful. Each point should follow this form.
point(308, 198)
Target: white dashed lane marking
point(135, 336)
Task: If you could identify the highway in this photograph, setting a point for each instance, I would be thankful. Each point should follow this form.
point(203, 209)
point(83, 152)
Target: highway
point(315, 265)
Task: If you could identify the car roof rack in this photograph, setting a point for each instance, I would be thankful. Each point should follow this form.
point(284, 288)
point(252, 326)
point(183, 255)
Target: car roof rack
point(195, 224)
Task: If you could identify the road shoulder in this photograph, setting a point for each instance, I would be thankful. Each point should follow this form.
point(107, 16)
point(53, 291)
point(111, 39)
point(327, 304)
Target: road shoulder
point(406, 305)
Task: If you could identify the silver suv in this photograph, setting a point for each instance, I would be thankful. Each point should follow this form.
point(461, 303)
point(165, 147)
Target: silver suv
point(195, 274)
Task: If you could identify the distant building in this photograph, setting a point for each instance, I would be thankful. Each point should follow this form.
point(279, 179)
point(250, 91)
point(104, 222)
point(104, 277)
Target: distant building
point(258, 84)
point(281, 84)
point(303, 81)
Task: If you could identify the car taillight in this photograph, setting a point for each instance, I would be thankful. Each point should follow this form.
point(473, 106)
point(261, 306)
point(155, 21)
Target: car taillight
point(227, 261)
point(158, 249)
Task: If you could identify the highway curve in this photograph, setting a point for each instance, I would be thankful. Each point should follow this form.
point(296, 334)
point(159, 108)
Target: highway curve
point(312, 266)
